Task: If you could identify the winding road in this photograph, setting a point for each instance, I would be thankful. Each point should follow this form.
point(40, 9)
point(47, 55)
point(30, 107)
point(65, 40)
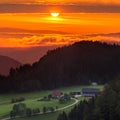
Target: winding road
point(63, 108)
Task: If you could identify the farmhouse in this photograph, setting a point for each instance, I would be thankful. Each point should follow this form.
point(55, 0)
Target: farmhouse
point(56, 94)
point(89, 92)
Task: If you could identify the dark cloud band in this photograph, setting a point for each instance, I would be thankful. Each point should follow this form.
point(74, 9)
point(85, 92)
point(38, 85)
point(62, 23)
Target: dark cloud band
point(37, 8)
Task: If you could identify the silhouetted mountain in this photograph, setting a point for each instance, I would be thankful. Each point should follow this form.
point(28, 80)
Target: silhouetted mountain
point(6, 63)
point(81, 63)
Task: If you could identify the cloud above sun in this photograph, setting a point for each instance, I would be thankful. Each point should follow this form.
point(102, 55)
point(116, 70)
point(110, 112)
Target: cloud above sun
point(63, 1)
point(27, 39)
point(88, 7)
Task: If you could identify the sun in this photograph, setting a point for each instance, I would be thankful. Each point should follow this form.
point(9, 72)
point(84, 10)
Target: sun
point(54, 14)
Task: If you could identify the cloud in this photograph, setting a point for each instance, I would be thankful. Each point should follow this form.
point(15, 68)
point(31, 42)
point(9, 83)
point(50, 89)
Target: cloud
point(20, 33)
point(67, 8)
point(108, 37)
point(63, 1)
point(43, 39)
point(15, 37)
point(48, 40)
point(105, 35)
point(37, 45)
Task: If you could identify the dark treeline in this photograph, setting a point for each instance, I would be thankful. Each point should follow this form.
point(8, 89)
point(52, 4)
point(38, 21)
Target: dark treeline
point(81, 63)
point(104, 107)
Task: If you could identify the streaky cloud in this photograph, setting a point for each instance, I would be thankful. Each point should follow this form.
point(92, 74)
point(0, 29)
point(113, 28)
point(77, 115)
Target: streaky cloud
point(38, 8)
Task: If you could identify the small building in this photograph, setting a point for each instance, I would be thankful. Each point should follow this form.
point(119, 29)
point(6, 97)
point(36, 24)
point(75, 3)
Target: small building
point(56, 94)
point(94, 83)
point(75, 94)
point(89, 92)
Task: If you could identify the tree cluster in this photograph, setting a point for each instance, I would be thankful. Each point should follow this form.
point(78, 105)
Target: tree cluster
point(48, 109)
point(45, 98)
point(64, 99)
point(21, 110)
point(104, 107)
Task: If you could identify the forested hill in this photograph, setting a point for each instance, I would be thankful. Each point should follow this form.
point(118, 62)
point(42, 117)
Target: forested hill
point(80, 63)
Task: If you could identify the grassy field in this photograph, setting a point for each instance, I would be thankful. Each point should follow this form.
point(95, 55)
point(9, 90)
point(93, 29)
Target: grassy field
point(31, 102)
point(52, 116)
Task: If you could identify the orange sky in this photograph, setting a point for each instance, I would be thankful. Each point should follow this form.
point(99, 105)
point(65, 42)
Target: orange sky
point(77, 23)
point(30, 26)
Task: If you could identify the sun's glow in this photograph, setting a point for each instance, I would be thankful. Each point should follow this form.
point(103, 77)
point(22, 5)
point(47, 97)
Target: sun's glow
point(55, 14)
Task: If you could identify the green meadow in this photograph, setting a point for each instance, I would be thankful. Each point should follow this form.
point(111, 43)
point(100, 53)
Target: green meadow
point(31, 100)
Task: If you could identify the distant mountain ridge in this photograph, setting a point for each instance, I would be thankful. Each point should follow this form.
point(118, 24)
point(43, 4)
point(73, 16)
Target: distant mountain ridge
point(6, 63)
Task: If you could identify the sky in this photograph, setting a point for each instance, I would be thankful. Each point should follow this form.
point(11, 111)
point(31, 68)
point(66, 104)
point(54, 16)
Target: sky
point(27, 29)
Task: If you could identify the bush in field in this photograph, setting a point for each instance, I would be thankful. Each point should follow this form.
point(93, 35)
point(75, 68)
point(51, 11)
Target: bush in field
point(18, 109)
point(44, 109)
point(51, 109)
point(65, 99)
point(15, 100)
point(21, 110)
point(12, 114)
point(56, 107)
point(36, 111)
point(48, 98)
point(28, 112)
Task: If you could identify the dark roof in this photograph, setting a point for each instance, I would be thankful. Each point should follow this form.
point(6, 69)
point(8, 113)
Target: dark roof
point(75, 93)
point(90, 90)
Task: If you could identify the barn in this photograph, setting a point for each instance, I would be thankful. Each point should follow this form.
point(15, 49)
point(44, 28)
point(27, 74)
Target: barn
point(89, 92)
point(56, 94)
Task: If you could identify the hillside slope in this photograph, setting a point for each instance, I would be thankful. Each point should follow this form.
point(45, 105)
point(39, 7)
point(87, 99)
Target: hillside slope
point(6, 63)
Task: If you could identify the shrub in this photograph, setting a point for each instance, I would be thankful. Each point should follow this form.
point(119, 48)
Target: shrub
point(12, 114)
point(52, 109)
point(44, 109)
point(19, 109)
point(15, 100)
point(28, 112)
point(36, 111)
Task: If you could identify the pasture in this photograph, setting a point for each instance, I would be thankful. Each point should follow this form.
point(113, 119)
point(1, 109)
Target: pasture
point(31, 100)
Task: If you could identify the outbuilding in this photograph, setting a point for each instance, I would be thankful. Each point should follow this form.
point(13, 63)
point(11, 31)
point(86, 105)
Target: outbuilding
point(89, 92)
